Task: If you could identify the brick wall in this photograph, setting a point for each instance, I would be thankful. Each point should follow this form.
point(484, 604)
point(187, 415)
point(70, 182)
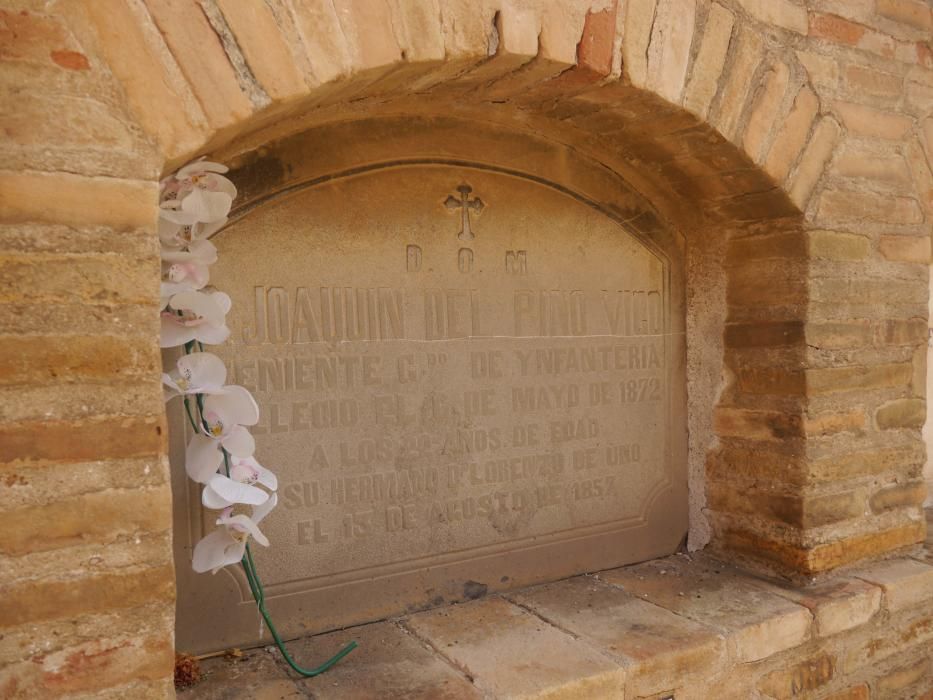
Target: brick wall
point(797, 136)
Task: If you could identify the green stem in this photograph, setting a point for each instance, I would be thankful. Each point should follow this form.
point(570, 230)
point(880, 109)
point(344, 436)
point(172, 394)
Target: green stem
point(249, 567)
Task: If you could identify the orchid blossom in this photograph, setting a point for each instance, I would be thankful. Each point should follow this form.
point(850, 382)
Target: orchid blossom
point(224, 417)
point(223, 491)
point(197, 373)
point(195, 315)
point(227, 544)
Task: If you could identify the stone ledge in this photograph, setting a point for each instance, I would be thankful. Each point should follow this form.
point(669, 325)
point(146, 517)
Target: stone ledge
point(683, 627)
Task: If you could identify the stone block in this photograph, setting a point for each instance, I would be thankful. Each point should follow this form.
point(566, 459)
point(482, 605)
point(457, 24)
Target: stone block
point(855, 692)
point(860, 79)
point(901, 413)
point(669, 49)
point(863, 120)
point(87, 667)
point(738, 83)
point(834, 245)
point(792, 135)
point(48, 358)
point(510, 653)
point(869, 165)
point(757, 425)
point(813, 161)
point(708, 65)
point(36, 601)
point(202, 59)
point(837, 605)
point(390, 663)
point(865, 463)
point(36, 278)
point(61, 198)
point(99, 438)
point(916, 13)
point(765, 110)
point(841, 31)
point(823, 70)
point(832, 423)
point(158, 96)
point(897, 682)
point(906, 583)
point(840, 334)
point(97, 517)
point(780, 13)
point(910, 494)
point(639, 19)
point(910, 249)
point(851, 205)
point(798, 679)
point(835, 379)
point(253, 676)
point(758, 624)
point(265, 48)
point(661, 651)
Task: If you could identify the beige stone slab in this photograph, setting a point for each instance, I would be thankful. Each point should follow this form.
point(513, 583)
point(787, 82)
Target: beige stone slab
point(906, 582)
point(389, 663)
point(511, 653)
point(661, 651)
point(836, 605)
point(758, 623)
point(253, 676)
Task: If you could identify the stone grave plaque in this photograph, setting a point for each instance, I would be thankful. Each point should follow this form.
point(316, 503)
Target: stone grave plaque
point(468, 381)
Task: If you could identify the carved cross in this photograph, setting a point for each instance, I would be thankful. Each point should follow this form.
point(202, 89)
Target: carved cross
point(465, 204)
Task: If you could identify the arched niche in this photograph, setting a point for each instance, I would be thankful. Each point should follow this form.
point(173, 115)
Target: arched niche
point(457, 400)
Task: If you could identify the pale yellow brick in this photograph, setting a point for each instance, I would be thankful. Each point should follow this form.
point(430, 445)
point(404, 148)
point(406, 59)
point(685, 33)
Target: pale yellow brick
point(792, 135)
point(813, 162)
point(669, 50)
point(912, 249)
point(765, 110)
point(779, 13)
point(707, 68)
point(639, 18)
point(867, 121)
point(264, 47)
point(738, 83)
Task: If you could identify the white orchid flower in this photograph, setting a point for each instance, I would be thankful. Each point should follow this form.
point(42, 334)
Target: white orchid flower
point(204, 193)
point(201, 316)
point(227, 544)
point(225, 415)
point(178, 229)
point(197, 373)
point(185, 270)
point(223, 491)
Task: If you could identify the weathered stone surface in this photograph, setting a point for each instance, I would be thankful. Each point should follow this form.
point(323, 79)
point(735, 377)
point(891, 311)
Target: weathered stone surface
point(253, 676)
point(512, 654)
point(708, 65)
point(389, 662)
point(758, 624)
point(660, 650)
point(906, 583)
point(836, 606)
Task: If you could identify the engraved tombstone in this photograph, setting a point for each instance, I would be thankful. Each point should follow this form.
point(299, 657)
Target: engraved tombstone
point(469, 381)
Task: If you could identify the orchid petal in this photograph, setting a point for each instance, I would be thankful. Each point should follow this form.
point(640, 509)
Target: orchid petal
point(206, 205)
point(204, 371)
point(235, 492)
point(202, 304)
point(234, 406)
point(173, 333)
point(217, 550)
point(201, 165)
point(238, 442)
point(244, 523)
point(202, 458)
point(212, 335)
point(262, 510)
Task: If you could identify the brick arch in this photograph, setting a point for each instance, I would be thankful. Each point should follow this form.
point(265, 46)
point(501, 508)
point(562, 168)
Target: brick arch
point(664, 104)
point(799, 141)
